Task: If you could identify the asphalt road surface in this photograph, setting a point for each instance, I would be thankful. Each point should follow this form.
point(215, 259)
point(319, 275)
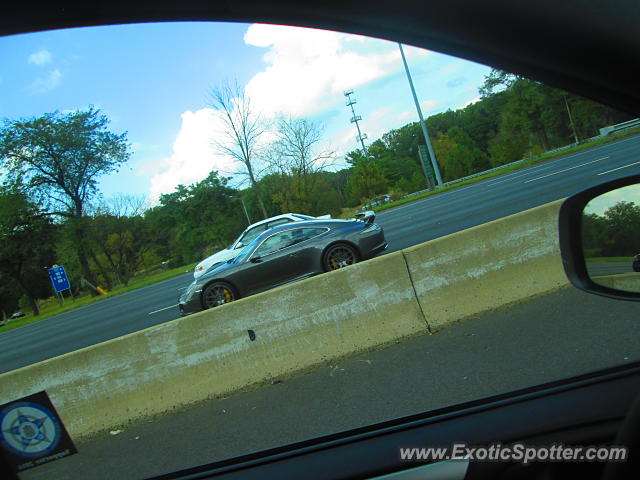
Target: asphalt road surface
point(404, 226)
point(554, 336)
point(609, 268)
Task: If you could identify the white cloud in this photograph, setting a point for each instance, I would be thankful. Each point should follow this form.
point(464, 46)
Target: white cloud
point(45, 84)
point(427, 106)
point(308, 70)
point(473, 100)
point(449, 69)
point(193, 156)
point(40, 58)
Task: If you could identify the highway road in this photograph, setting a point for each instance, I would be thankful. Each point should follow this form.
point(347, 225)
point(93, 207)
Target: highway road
point(554, 336)
point(404, 226)
point(609, 268)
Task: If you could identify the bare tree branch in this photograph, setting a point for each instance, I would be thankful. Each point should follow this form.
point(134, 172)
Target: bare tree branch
point(241, 133)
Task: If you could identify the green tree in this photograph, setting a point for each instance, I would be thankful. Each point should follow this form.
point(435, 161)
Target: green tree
point(194, 221)
point(594, 234)
point(26, 247)
point(57, 159)
point(367, 179)
point(623, 230)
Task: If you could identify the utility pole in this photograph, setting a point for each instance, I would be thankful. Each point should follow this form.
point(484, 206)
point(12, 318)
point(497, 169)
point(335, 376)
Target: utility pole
point(355, 119)
point(434, 163)
point(573, 127)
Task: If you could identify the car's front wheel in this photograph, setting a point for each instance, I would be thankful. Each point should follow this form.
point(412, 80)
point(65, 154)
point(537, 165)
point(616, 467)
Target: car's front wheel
point(218, 293)
point(338, 256)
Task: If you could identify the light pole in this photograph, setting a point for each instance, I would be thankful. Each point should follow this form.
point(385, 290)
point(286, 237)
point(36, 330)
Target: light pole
point(432, 155)
point(245, 210)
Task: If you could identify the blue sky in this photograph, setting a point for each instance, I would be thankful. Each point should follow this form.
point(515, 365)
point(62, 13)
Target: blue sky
point(152, 81)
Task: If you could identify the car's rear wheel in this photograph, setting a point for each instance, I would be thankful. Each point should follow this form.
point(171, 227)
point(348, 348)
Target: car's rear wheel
point(218, 293)
point(338, 256)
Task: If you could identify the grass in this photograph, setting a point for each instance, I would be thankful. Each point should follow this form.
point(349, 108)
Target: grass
point(51, 306)
point(510, 168)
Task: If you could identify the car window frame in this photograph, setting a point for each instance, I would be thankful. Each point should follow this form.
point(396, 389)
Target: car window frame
point(279, 222)
point(297, 227)
point(253, 254)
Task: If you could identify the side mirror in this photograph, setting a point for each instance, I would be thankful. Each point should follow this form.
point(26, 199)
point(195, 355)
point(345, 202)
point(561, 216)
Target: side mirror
point(600, 239)
point(239, 245)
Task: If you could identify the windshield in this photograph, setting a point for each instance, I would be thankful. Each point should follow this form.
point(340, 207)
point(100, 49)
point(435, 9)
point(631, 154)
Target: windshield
point(246, 251)
point(122, 167)
point(249, 236)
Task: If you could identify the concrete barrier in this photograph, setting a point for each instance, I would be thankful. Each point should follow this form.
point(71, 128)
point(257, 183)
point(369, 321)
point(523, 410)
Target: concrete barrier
point(487, 266)
point(296, 327)
point(629, 282)
point(211, 354)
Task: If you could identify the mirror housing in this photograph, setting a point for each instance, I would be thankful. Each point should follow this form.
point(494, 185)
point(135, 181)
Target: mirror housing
point(572, 247)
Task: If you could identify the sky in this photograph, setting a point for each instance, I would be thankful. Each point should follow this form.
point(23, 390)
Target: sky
point(153, 81)
point(603, 202)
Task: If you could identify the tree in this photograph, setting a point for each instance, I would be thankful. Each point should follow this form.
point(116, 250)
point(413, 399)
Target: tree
point(242, 129)
point(296, 155)
point(367, 179)
point(57, 159)
point(26, 246)
point(497, 78)
point(195, 221)
point(623, 229)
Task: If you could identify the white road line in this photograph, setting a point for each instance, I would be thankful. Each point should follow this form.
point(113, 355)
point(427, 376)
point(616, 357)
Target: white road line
point(522, 173)
point(565, 170)
point(619, 168)
point(166, 308)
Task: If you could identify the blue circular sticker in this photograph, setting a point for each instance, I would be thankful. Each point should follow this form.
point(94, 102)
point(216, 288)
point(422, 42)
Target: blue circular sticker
point(29, 429)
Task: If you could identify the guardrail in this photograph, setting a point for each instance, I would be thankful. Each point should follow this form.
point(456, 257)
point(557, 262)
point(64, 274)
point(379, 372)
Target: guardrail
point(619, 127)
point(290, 329)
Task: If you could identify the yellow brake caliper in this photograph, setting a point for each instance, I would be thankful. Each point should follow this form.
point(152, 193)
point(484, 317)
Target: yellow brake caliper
point(227, 295)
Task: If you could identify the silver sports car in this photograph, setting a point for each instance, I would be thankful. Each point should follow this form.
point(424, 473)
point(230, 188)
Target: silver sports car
point(285, 254)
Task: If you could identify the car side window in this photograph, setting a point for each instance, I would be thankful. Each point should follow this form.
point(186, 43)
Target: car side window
point(274, 243)
point(312, 232)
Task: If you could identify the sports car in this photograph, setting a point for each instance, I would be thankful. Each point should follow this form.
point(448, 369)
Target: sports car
point(285, 254)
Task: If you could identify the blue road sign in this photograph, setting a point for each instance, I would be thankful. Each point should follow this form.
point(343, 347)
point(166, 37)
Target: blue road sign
point(59, 279)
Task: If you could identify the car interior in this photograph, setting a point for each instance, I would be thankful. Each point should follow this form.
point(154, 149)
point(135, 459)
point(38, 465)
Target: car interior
point(588, 48)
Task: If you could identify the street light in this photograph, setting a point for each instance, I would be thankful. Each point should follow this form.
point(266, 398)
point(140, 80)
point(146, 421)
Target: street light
point(434, 163)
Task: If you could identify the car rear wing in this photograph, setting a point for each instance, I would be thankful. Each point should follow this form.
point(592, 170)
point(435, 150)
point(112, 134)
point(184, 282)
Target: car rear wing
point(367, 217)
